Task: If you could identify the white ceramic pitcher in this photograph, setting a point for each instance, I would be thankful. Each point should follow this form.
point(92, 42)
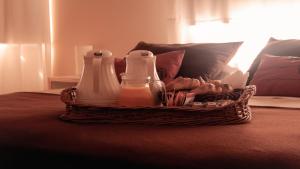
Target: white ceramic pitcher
point(98, 84)
point(141, 64)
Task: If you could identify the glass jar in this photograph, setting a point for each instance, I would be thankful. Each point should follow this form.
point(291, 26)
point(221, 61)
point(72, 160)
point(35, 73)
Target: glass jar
point(135, 92)
point(158, 90)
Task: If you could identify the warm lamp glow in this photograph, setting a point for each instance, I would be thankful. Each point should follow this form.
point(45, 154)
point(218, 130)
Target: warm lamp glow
point(41, 74)
point(22, 58)
point(51, 19)
point(51, 34)
point(254, 26)
point(2, 48)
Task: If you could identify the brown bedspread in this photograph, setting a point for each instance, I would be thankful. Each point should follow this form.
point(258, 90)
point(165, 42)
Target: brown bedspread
point(32, 136)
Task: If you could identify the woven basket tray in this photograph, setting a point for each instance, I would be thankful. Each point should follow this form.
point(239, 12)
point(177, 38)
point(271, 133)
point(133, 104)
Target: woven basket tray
point(236, 112)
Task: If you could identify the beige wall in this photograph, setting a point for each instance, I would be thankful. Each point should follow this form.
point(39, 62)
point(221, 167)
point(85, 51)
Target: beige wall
point(116, 25)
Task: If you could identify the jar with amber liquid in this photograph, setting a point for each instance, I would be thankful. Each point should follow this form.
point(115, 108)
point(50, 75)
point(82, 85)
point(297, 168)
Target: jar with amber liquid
point(135, 92)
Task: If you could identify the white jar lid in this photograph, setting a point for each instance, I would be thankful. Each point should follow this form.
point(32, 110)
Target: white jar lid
point(98, 53)
point(140, 53)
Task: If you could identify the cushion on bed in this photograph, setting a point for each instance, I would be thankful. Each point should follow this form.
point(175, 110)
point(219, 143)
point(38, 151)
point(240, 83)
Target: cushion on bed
point(290, 47)
point(167, 65)
point(201, 59)
point(278, 76)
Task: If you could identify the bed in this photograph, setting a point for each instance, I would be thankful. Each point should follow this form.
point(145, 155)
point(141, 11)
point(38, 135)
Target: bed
point(33, 136)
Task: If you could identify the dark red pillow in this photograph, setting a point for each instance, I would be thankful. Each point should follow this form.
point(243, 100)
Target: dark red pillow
point(289, 47)
point(201, 59)
point(278, 76)
point(167, 65)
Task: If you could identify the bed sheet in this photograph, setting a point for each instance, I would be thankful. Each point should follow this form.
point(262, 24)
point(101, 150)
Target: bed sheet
point(31, 135)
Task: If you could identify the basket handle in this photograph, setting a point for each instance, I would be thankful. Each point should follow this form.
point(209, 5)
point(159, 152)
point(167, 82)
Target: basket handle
point(68, 96)
point(248, 92)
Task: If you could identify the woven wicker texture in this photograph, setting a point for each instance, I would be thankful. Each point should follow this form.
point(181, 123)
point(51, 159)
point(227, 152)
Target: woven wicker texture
point(236, 112)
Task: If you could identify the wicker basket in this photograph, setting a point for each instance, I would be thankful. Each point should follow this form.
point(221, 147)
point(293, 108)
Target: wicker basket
point(236, 112)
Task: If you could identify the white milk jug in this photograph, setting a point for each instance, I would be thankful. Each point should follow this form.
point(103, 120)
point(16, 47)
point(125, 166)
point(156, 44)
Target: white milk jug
point(98, 84)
